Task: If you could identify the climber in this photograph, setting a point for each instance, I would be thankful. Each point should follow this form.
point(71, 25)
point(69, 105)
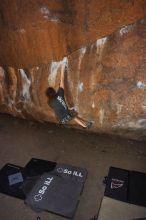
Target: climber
point(56, 101)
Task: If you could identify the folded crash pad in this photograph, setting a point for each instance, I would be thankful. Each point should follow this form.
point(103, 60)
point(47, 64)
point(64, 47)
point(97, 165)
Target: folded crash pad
point(126, 186)
point(12, 178)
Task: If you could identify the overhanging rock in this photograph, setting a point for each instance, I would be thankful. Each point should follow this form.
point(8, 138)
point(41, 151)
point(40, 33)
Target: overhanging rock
point(105, 82)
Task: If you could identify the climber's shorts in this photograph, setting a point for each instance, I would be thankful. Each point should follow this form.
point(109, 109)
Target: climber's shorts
point(66, 119)
point(72, 114)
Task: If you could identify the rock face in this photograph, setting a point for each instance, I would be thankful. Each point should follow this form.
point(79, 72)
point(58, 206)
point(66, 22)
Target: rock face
point(106, 78)
point(34, 32)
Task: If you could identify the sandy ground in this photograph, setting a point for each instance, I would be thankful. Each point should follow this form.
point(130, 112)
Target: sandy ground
point(20, 140)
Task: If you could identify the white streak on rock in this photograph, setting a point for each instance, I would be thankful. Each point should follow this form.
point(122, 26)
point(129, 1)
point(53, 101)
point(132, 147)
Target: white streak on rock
point(92, 45)
point(26, 85)
point(93, 105)
point(11, 103)
point(53, 19)
point(18, 110)
point(143, 21)
point(2, 72)
point(83, 50)
point(141, 123)
point(119, 108)
point(144, 108)
point(48, 15)
point(54, 70)
point(53, 73)
point(82, 53)
point(22, 30)
point(101, 116)
point(100, 45)
point(80, 86)
point(141, 85)
point(45, 10)
point(101, 41)
point(126, 29)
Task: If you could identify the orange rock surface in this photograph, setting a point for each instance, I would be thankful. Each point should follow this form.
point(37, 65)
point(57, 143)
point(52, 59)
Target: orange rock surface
point(105, 48)
point(36, 31)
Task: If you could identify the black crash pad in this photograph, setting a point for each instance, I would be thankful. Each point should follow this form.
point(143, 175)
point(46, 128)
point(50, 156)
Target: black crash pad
point(117, 184)
point(137, 188)
point(59, 193)
point(36, 167)
point(54, 194)
point(126, 186)
point(12, 178)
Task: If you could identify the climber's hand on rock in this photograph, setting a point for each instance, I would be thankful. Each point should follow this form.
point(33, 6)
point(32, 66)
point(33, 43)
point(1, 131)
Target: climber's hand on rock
point(63, 67)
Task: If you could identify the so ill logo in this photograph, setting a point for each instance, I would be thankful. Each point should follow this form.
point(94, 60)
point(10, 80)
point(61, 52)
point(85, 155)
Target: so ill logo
point(69, 172)
point(43, 189)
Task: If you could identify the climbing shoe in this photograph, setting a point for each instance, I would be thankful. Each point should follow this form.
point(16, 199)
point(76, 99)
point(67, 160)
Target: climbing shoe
point(88, 125)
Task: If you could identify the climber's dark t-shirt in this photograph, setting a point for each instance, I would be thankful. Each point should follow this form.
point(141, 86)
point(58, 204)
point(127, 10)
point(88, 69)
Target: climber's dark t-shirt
point(60, 107)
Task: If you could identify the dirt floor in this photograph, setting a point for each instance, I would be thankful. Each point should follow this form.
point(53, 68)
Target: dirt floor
point(20, 140)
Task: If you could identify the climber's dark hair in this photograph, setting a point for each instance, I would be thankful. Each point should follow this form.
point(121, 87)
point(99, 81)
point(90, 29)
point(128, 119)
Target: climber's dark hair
point(51, 93)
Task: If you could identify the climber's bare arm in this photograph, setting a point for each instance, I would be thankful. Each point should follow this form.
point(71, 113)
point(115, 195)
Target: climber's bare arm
point(62, 76)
